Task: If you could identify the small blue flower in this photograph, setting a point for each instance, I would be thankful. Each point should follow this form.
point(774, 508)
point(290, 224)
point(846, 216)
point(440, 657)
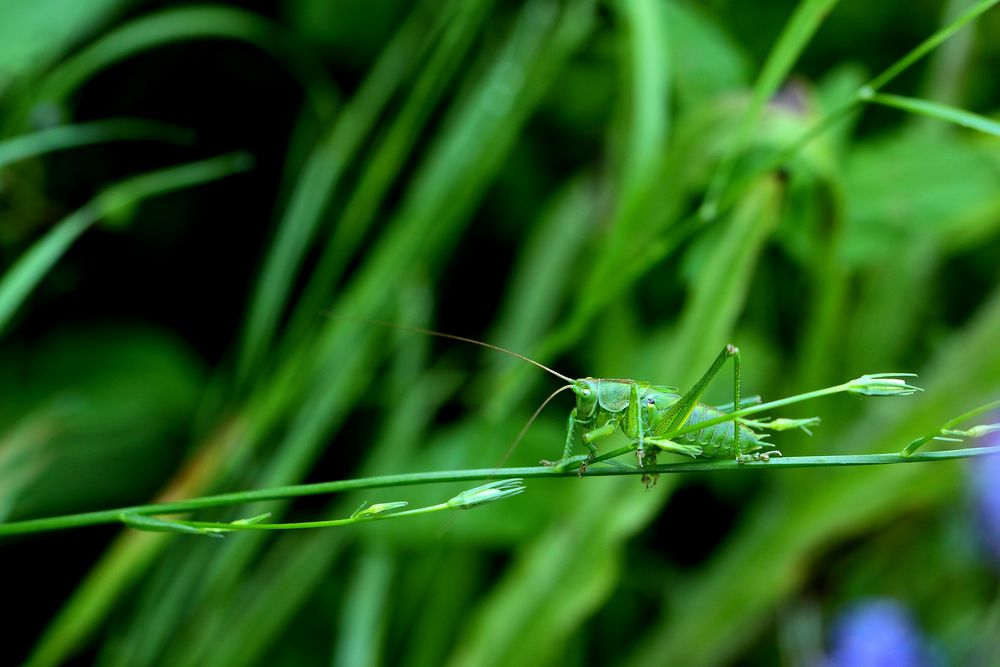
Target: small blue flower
point(985, 482)
point(877, 633)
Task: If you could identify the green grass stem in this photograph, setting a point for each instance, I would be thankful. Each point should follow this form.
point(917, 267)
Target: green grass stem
point(409, 479)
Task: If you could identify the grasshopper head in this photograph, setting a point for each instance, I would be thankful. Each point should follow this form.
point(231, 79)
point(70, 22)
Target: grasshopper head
point(586, 397)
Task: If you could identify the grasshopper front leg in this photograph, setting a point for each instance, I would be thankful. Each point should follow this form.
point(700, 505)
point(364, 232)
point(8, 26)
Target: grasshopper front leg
point(568, 460)
point(608, 428)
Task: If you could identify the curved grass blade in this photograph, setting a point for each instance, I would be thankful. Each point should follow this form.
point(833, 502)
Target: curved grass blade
point(608, 515)
point(797, 34)
point(792, 528)
point(726, 196)
point(320, 177)
point(387, 159)
point(60, 138)
point(951, 424)
point(948, 114)
point(477, 133)
point(186, 24)
point(111, 204)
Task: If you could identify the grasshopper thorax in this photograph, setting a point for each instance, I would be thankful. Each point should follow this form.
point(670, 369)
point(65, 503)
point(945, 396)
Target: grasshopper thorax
point(601, 395)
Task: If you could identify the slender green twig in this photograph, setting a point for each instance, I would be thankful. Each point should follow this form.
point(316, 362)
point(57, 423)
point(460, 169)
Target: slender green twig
point(868, 90)
point(948, 433)
point(878, 384)
point(796, 35)
point(125, 514)
point(487, 493)
point(720, 196)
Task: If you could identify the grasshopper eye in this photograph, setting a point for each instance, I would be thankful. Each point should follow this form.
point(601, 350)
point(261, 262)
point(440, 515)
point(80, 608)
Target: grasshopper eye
point(586, 393)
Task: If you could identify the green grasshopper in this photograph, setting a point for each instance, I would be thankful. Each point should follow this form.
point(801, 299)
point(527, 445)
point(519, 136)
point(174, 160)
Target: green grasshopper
point(653, 417)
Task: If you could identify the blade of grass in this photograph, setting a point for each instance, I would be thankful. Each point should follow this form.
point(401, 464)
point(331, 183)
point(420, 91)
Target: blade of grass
point(302, 564)
point(435, 609)
point(538, 285)
point(183, 24)
point(794, 38)
point(648, 71)
point(712, 307)
point(110, 204)
point(645, 120)
point(860, 96)
point(889, 74)
point(82, 134)
point(720, 295)
point(938, 111)
point(387, 160)
point(320, 177)
point(122, 564)
point(364, 615)
point(787, 531)
point(947, 68)
point(476, 136)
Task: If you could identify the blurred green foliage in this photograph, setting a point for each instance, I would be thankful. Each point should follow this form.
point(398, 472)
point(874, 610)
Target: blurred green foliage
point(530, 174)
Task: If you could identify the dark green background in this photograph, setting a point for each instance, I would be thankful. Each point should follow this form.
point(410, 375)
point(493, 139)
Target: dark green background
point(526, 174)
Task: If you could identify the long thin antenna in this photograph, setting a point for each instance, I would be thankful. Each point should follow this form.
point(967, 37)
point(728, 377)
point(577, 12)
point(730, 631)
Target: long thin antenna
point(513, 445)
point(524, 429)
point(490, 346)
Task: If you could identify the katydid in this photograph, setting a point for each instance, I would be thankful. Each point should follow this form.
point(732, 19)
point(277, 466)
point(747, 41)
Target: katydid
point(653, 417)
point(649, 415)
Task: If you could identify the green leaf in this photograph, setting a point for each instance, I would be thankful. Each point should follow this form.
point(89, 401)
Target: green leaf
point(943, 112)
point(904, 190)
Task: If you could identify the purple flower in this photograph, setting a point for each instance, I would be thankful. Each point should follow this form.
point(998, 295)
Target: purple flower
point(877, 633)
point(985, 481)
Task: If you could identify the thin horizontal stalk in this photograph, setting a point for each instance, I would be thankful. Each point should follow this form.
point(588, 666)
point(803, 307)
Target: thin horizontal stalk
point(301, 490)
